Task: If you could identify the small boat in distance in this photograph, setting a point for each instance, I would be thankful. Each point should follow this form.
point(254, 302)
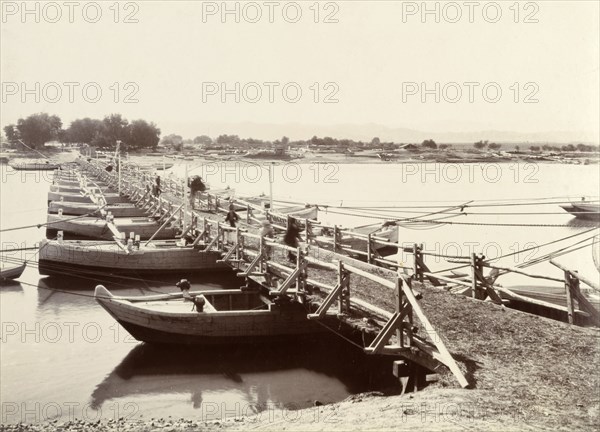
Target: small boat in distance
point(589, 210)
point(26, 165)
point(226, 317)
point(9, 272)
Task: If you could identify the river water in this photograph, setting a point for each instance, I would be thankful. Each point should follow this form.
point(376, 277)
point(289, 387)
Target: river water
point(63, 356)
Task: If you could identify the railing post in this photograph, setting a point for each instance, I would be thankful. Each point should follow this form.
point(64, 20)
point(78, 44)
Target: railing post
point(344, 283)
point(473, 275)
point(398, 307)
point(335, 238)
point(417, 260)
point(262, 252)
point(569, 281)
point(369, 249)
point(306, 231)
point(238, 245)
point(248, 214)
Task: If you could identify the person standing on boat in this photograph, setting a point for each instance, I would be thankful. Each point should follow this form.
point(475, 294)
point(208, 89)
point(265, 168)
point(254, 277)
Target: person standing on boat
point(291, 238)
point(184, 285)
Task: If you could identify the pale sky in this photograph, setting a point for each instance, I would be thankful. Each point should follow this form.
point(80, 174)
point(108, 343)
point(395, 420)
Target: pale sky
point(367, 55)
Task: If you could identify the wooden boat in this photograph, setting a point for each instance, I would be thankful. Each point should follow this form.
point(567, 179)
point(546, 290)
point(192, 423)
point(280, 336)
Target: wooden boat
point(33, 166)
point(110, 258)
point(228, 317)
point(97, 228)
point(80, 209)
point(76, 188)
point(584, 210)
point(379, 234)
point(9, 272)
point(111, 198)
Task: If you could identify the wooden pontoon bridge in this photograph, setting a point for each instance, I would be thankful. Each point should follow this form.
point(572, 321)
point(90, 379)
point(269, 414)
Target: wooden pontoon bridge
point(329, 273)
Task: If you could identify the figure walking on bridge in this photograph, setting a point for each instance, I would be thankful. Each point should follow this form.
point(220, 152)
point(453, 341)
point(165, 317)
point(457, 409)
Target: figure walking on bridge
point(291, 238)
point(196, 185)
point(156, 190)
point(267, 232)
point(232, 217)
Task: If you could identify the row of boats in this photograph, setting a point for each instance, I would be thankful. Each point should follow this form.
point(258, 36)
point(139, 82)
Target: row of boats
point(102, 233)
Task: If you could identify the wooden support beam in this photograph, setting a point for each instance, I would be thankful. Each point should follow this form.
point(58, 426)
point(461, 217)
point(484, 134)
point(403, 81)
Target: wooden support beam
point(227, 256)
point(251, 266)
point(488, 288)
point(446, 357)
point(291, 279)
point(331, 297)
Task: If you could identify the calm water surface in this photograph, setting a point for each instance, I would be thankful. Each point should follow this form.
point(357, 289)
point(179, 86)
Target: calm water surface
point(63, 355)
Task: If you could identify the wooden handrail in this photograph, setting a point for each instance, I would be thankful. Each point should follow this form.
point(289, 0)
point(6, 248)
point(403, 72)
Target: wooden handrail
point(576, 274)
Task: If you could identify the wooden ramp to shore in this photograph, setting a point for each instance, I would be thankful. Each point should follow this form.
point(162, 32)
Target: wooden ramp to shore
point(326, 273)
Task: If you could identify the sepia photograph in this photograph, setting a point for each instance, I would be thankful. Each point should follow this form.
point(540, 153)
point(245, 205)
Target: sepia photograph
point(303, 215)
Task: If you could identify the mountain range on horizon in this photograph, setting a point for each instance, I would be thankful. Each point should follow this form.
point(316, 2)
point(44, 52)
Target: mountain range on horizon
point(366, 132)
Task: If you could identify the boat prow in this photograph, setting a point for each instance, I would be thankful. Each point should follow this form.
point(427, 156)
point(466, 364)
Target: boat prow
point(8, 273)
point(102, 293)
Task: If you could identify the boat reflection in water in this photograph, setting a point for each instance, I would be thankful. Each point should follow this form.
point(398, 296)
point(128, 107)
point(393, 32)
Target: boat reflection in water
point(248, 379)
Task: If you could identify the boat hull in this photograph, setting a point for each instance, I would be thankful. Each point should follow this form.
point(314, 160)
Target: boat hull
point(92, 257)
point(80, 209)
point(97, 228)
point(210, 327)
point(10, 273)
point(76, 188)
point(583, 212)
point(33, 166)
point(76, 197)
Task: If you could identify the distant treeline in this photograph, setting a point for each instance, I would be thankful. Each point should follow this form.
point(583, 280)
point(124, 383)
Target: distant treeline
point(38, 129)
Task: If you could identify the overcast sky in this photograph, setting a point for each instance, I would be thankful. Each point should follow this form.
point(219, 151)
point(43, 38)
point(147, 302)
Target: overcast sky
point(371, 54)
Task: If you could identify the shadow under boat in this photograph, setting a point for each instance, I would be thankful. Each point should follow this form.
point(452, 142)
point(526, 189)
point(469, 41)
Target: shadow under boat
point(11, 285)
point(151, 369)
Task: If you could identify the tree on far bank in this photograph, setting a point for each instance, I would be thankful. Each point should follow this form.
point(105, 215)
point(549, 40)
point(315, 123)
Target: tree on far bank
point(142, 134)
point(480, 145)
point(494, 146)
point(430, 144)
point(203, 140)
point(38, 129)
point(82, 131)
point(173, 141)
point(12, 133)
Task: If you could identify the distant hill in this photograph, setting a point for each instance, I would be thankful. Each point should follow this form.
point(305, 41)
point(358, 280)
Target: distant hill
point(366, 132)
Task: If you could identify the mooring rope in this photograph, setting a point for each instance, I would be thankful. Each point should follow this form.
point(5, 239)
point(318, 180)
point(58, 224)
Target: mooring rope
point(47, 223)
point(439, 222)
point(521, 251)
